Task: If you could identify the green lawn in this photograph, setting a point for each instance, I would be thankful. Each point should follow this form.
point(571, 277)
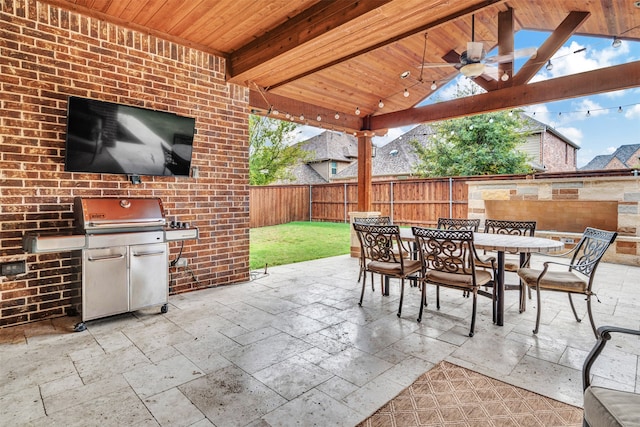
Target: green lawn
point(296, 242)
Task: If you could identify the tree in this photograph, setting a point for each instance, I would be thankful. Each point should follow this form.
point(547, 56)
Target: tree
point(485, 144)
point(270, 149)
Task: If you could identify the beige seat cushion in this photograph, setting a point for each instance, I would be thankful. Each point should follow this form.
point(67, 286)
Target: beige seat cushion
point(393, 268)
point(458, 280)
point(553, 280)
point(511, 263)
point(604, 407)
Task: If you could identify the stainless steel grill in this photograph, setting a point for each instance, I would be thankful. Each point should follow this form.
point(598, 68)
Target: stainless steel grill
point(125, 254)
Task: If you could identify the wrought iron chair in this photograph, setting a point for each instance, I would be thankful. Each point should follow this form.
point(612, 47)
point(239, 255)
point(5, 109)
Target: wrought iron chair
point(586, 257)
point(378, 255)
point(513, 263)
point(448, 259)
point(373, 220)
point(605, 407)
point(458, 224)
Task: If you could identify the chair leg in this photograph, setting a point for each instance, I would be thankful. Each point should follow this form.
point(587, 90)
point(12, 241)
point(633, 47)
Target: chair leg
point(401, 296)
point(423, 301)
point(593, 324)
point(438, 297)
point(473, 312)
point(575, 314)
point(535, 331)
point(364, 285)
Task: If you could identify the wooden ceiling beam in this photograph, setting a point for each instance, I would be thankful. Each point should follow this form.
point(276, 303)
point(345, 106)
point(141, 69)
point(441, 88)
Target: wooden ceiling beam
point(554, 42)
point(506, 45)
point(608, 79)
point(319, 19)
point(266, 104)
point(411, 32)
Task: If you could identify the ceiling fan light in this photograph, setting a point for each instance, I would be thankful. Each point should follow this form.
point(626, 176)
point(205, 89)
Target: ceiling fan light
point(472, 70)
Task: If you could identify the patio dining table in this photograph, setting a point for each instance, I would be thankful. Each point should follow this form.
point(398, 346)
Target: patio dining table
point(502, 243)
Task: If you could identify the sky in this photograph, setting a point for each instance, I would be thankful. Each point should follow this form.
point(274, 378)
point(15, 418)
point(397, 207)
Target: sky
point(598, 124)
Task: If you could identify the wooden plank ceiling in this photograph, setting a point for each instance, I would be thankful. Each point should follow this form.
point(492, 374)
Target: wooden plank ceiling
point(318, 57)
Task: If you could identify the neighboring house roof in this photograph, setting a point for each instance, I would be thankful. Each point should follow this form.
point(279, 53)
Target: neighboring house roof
point(302, 174)
point(330, 145)
point(624, 156)
point(536, 126)
point(395, 158)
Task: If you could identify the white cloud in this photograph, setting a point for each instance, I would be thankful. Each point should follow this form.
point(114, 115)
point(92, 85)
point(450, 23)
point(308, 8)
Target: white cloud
point(632, 112)
point(610, 150)
point(574, 134)
point(390, 136)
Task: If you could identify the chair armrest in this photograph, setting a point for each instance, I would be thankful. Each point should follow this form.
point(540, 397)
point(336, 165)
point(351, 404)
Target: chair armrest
point(604, 335)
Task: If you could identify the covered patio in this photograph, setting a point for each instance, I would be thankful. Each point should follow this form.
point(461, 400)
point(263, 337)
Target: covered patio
point(292, 347)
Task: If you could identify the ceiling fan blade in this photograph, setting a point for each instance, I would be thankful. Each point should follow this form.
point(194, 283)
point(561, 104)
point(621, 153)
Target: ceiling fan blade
point(508, 57)
point(438, 65)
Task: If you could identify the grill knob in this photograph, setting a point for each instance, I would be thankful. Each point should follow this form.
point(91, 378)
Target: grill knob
point(125, 203)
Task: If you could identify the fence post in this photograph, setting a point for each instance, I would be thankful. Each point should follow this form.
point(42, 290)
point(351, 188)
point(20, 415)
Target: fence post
point(345, 203)
point(310, 203)
point(391, 201)
point(450, 197)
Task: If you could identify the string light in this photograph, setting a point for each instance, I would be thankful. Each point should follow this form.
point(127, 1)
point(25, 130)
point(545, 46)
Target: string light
point(549, 66)
point(504, 77)
point(319, 118)
point(616, 43)
point(620, 109)
point(357, 111)
point(588, 113)
point(406, 93)
point(301, 116)
point(337, 116)
point(381, 104)
point(434, 86)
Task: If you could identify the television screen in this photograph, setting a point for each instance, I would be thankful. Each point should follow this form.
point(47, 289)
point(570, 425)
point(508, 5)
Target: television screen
point(103, 137)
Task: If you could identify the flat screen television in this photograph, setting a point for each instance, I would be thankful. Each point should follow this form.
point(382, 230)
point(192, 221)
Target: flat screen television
point(103, 137)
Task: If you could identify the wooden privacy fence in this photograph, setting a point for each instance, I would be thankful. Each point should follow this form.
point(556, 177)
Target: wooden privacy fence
point(419, 201)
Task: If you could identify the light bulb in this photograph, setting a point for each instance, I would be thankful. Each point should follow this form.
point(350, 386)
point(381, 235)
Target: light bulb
point(381, 104)
point(275, 112)
point(406, 93)
point(434, 86)
point(287, 115)
point(619, 109)
point(319, 118)
point(301, 116)
point(588, 113)
point(616, 42)
point(504, 77)
point(549, 65)
point(357, 111)
point(337, 116)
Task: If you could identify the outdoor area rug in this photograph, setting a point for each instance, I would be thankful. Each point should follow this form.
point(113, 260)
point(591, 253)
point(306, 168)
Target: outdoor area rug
point(449, 395)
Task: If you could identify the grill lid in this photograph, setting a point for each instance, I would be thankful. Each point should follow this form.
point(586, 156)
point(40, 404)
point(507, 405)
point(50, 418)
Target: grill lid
point(110, 215)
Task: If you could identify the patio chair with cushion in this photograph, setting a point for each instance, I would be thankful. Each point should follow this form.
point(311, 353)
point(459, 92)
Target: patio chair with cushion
point(586, 257)
point(605, 407)
point(380, 252)
point(372, 220)
point(514, 261)
point(448, 258)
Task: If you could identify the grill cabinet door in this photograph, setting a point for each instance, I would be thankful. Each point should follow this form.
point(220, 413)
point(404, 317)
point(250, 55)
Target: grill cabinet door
point(105, 288)
point(149, 270)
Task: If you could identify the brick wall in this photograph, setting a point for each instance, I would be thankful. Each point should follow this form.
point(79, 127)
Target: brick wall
point(557, 155)
point(48, 54)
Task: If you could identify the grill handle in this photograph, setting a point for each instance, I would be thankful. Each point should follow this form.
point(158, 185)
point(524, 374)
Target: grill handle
point(118, 224)
point(105, 257)
point(141, 254)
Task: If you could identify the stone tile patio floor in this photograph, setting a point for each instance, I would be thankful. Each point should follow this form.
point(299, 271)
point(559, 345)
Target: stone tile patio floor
point(293, 347)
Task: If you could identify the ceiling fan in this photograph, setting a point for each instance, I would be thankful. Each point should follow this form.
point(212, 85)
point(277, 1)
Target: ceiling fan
point(474, 61)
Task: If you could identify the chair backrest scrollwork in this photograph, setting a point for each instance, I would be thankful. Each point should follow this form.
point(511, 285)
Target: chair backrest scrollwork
point(450, 251)
point(377, 242)
point(590, 250)
point(458, 224)
point(515, 228)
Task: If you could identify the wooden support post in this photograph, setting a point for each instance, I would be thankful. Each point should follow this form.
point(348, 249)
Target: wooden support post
point(364, 172)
